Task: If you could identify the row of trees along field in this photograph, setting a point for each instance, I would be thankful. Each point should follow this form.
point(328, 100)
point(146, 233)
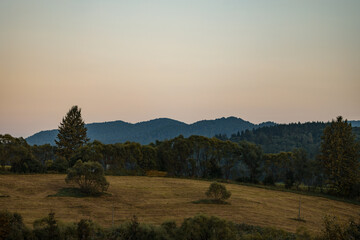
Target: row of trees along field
point(335, 170)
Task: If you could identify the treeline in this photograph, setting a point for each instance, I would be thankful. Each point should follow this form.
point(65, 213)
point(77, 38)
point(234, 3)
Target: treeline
point(196, 156)
point(196, 228)
point(285, 137)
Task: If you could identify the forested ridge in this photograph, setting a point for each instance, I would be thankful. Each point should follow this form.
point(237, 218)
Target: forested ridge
point(150, 131)
point(286, 137)
point(271, 136)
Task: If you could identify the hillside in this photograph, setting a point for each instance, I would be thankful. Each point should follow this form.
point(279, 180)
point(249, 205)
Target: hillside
point(286, 137)
point(150, 131)
point(154, 200)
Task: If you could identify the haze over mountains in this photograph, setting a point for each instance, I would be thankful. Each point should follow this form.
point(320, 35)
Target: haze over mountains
point(150, 131)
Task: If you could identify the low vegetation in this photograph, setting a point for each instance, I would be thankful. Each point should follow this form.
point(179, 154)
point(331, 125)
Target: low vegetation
point(199, 227)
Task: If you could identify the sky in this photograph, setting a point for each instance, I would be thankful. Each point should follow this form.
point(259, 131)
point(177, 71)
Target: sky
point(260, 60)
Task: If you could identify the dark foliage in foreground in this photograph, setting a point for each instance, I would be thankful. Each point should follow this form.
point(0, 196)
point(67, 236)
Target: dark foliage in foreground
point(196, 228)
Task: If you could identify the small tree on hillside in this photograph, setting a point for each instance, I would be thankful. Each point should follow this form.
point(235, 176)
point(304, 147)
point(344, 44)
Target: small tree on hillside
point(72, 133)
point(89, 176)
point(218, 192)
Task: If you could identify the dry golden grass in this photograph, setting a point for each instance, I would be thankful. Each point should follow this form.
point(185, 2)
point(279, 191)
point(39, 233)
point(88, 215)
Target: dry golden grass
point(155, 200)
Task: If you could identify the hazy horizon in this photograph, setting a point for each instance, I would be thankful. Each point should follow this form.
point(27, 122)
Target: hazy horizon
point(281, 61)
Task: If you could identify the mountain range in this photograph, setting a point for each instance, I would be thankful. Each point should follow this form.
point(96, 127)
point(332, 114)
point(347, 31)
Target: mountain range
point(150, 131)
point(156, 129)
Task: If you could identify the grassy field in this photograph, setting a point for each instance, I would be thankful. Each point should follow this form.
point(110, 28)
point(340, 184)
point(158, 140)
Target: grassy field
point(155, 200)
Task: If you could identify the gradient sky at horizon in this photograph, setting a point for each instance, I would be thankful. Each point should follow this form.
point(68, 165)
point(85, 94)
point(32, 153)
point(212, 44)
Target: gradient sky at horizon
point(283, 61)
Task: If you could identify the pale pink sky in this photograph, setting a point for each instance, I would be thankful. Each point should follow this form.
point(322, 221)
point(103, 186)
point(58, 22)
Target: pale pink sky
point(283, 61)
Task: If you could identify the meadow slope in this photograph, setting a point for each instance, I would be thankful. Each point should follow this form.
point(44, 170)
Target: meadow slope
point(155, 200)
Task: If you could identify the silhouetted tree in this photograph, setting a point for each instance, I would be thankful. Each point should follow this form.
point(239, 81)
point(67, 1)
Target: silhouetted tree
point(72, 133)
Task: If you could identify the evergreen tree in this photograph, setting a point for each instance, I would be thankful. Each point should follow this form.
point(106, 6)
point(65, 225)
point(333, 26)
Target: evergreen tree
point(72, 133)
point(340, 157)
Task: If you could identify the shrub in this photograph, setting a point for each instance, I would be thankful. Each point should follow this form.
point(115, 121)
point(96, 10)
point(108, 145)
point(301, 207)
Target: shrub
point(26, 165)
point(203, 227)
point(170, 228)
point(84, 229)
point(89, 176)
point(87, 229)
point(218, 192)
point(68, 231)
point(12, 226)
point(336, 230)
point(47, 228)
point(133, 230)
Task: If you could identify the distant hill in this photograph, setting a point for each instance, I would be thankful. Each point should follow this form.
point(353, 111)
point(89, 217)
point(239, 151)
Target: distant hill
point(150, 131)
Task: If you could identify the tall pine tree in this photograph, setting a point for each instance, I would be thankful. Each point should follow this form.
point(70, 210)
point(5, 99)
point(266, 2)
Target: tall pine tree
point(72, 133)
point(340, 157)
